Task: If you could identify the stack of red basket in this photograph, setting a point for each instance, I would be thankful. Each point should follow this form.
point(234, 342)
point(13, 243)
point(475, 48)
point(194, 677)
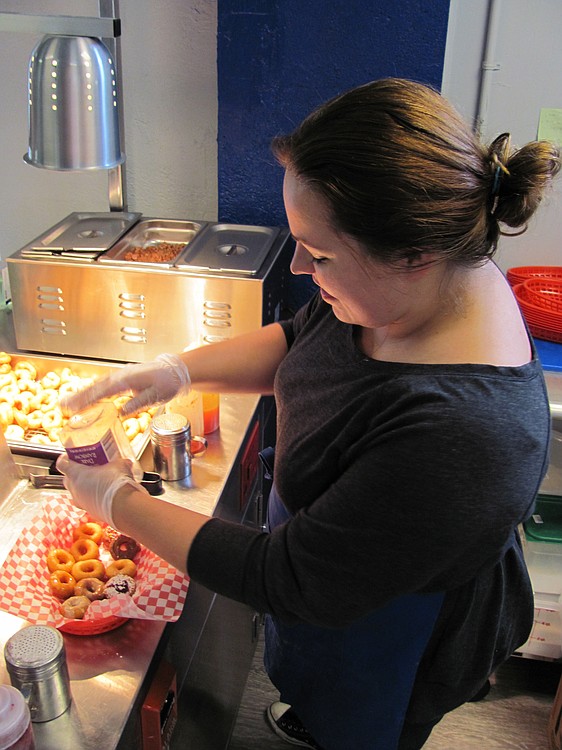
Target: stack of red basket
point(538, 290)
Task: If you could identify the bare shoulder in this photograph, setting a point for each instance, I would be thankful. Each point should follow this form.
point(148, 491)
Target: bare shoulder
point(491, 329)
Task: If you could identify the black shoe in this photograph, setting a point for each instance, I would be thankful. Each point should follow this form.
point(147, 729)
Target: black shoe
point(287, 725)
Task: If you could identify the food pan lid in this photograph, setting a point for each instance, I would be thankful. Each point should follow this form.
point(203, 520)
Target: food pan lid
point(84, 232)
point(232, 248)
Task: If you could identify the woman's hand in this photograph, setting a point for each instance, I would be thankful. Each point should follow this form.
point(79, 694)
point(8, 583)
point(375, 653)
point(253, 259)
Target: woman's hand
point(148, 383)
point(93, 488)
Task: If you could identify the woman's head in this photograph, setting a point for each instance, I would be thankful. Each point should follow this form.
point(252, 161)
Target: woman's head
point(402, 173)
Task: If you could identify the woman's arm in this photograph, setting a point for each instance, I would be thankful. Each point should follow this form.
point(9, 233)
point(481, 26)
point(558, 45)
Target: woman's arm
point(245, 364)
point(166, 529)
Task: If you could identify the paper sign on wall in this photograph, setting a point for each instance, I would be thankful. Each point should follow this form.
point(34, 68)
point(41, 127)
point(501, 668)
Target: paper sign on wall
point(550, 125)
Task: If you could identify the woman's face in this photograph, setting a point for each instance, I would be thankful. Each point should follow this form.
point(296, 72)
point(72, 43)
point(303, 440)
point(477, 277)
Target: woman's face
point(360, 290)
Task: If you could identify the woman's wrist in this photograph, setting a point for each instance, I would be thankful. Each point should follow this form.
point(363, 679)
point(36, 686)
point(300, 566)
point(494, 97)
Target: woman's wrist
point(120, 503)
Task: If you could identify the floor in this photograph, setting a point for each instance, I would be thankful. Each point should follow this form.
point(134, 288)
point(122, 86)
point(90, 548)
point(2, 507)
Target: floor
point(513, 716)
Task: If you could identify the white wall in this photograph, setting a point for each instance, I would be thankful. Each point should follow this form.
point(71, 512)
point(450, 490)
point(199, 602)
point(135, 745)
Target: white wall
point(170, 93)
point(528, 50)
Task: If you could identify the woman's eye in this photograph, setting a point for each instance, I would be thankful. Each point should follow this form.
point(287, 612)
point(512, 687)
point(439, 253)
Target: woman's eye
point(318, 261)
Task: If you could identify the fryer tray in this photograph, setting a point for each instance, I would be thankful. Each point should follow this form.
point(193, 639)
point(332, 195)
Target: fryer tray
point(83, 368)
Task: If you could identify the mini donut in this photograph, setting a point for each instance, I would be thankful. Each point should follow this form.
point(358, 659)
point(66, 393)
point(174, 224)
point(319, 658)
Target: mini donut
point(88, 530)
point(35, 419)
point(66, 375)
point(39, 438)
point(123, 546)
point(88, 569)
point(5, 368)
point(25, 369)
point(14, 432)
point(144, 420)
point(24, 384)
point(6, 415)
point(109, 536)
point(68, 388)
point(120, 401)
point(7, 379)
point(23, 401)
point(119, 584)
point(75, 607)
point(84, 549)
point(51, 419)
point(9, 393)
point(50, 380)
point(91, 588)
point(46, 400)
point(5, 358)
point(62, 584)
point(54, 434)
point(60, 559)
point(20, 418)
point(131, 427)
point(121, 567)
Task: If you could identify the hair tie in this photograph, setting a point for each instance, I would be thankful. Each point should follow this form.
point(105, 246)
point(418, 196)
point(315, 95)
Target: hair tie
point(502, 145)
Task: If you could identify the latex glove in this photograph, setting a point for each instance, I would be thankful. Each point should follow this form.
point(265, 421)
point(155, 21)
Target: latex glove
point(149, 383)
point(93, 487)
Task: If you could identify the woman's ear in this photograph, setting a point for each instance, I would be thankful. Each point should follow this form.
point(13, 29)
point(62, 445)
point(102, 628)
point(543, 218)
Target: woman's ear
point(418, 261)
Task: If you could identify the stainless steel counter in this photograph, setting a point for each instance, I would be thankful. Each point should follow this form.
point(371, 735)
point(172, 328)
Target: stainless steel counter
point(108, 671)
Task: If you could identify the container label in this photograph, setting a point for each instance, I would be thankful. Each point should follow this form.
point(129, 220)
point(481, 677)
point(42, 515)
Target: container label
point(97, 454)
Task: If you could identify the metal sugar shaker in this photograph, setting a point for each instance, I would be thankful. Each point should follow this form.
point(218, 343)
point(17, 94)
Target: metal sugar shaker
point(170, 435)
point(36, 662)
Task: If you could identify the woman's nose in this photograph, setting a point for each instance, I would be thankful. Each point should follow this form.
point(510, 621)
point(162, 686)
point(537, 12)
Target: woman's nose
point(302, 261)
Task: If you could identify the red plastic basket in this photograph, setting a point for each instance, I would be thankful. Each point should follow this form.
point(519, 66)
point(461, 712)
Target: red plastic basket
point(93, 627)
point(546, 293)
point(546, 334)
point(543, 323)
point(519, 274)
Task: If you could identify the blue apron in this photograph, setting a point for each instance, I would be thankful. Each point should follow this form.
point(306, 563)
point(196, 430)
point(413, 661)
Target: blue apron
point(350, 686)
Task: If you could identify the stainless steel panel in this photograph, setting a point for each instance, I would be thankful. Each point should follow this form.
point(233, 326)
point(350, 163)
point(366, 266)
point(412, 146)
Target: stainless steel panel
point(148, 236)
point(89, 232)
point(229, 248)
point(110, 312)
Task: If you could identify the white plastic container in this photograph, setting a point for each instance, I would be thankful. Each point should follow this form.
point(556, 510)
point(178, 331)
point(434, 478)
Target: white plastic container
point(544, 561)
point(16, 732)
point(96, 436)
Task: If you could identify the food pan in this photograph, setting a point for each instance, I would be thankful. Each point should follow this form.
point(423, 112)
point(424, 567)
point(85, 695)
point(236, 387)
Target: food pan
point(45, 366)
point(153, 242)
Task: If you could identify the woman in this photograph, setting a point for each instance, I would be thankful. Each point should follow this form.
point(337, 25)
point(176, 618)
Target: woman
point(412, 432)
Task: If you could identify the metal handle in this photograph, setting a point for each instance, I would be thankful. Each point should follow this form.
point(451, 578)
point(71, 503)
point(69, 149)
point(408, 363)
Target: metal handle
point(47, 481)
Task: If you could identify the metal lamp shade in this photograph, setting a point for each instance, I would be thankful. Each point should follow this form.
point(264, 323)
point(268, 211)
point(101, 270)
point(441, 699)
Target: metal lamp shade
point(73, 105)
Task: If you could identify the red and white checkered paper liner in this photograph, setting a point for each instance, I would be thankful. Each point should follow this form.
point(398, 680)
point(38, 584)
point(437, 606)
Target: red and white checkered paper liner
point(24, 591)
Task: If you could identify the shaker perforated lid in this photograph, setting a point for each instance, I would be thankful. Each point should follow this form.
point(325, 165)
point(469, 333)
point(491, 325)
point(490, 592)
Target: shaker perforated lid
point(34, 646)
point(169, 424)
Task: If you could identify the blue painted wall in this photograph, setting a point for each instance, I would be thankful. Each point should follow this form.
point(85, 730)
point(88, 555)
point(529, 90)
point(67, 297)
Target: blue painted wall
point(278, 59)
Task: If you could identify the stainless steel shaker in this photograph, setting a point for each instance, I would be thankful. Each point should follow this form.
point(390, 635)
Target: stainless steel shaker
point(170, 435)
point(36, 662)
